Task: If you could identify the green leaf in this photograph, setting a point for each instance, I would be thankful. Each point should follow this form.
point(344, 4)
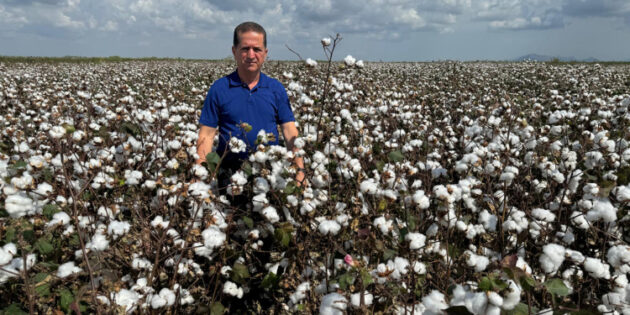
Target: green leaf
point(43, 246)
point(213, 157)
point(396, 156)
point(366, 278)
point(43, 290)
point(389, 254)
point(74, 240)
point(40, 277)
point(19, 165)
point(485, 284)
point(521, 309)
point(13, 309)
point(247, 168)
point(380, 165)
point(457, 310)
point(69, 128)
point(556, 287)
point(249, 222)
point(240, 273)
point(270, 281)
point(49, 210)
point(282, 236)
point(345, 280)
point(29, 235)
point(498, 284)
point(130, 128)
point(65, 298)
point(9, 234)
point(217, 308)
point(528, 283)
point(289, 188)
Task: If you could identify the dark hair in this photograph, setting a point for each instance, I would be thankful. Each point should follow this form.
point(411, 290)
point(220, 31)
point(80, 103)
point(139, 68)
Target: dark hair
point(249, 27)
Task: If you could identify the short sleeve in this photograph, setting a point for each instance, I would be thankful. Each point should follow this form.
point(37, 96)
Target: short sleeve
point(285, 114)
point(210, 112)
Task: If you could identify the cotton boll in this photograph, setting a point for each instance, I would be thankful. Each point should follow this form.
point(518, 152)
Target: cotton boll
point(232, 289)
point(67, 269)
point(596, 268)
point(98, 243)
point(117, 228)
point(329, 227)
point(513, 296)
point(57, 132)
point(59, 218)
point(479, 262)
point(416, 240)
point(271, 214)
point(434, 303)
point(384, 225)
point(333, 304)
point(349, 60)
point(158, 221)
point(355, 299)
point(552, 257)
point(18, 205)
point(617, 256)
point(300, 292)
point(602, 210)
point(212, 237)
point(126, 298)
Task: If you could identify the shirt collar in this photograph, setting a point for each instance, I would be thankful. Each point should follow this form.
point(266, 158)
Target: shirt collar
point(235, 80)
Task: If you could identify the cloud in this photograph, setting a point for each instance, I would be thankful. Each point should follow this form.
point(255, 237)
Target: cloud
point(519, 15)
point(599, 8)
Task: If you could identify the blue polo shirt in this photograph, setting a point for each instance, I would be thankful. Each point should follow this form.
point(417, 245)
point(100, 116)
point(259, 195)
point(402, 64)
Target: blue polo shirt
point(230, 102)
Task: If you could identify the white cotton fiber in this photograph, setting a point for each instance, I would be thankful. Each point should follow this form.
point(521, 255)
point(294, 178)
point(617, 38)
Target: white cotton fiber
point(67, 269)
point(333, 304)
point(552, 257)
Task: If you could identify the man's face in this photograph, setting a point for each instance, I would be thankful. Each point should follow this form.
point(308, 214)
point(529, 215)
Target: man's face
point(250, 53)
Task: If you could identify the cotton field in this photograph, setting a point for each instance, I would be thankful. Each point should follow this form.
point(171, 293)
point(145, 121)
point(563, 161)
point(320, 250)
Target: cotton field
point(467, 188)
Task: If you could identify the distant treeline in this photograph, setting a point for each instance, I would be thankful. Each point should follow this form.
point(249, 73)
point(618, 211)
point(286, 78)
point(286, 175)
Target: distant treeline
point(77, 59)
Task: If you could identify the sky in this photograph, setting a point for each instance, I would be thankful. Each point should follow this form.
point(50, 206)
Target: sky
point(372, 30)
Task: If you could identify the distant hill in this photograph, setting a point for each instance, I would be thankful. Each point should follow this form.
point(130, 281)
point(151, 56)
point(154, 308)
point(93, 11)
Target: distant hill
point(545, 58)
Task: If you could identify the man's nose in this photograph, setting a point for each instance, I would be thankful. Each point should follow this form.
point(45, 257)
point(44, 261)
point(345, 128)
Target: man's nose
point(251, 53)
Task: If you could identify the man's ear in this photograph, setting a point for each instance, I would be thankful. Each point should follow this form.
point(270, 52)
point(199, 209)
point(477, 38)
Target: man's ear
point(234, 51)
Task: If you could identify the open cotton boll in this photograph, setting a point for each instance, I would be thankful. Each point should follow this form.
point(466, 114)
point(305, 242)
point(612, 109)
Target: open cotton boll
point(57, 132)
point(271, 214)
point(475, 302)
point(421, 200)
point(19, 205)
point(200, 171)
point(355, 299)
point(132, 177)
point(6, 253)
point(158, 221)
point(67, 269)
point(98, 243)
point(434, 303)
point(513, 296)
point(117, 228)
point(300, 292)
point(579, 220)
point(479, 262)
point(232, 289)
point(543, 215)
point(602, 210)
point(199, 190)
point(617, 256)
point(166, 297)
point(596, 268)
point(212, 237)
point(333, 304)
point(126, 298)
point(416, 240)
point(552, 257)
point(349, 60)
point(60, 218)
point(329, 227)
point(311, 63)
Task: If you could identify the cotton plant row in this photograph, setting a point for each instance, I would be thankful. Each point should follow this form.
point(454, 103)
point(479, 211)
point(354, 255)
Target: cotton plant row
point(430, 186)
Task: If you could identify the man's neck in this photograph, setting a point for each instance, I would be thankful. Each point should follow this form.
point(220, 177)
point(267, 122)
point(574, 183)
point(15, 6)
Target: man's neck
point(251, 79)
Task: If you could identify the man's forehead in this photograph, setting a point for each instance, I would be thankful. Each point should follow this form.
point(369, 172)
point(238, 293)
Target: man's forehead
point(240, 35)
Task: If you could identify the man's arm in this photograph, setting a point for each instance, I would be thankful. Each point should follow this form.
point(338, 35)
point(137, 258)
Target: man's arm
point(290, 133)
point(204, 142)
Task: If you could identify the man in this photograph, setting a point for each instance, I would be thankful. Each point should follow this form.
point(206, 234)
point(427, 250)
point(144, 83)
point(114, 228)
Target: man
point(246, 97)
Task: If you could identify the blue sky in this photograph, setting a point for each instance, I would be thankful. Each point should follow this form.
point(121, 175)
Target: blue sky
point(389, 30)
